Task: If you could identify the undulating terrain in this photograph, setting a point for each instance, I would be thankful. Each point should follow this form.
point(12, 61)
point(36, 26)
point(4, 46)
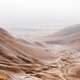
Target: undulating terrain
point(56, 57)
point(68, 36)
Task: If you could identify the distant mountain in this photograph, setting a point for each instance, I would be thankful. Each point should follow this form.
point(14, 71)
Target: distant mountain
point(67, 36)
point(68, 31)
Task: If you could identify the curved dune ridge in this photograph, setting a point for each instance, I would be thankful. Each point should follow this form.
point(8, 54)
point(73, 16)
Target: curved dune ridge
point(22, 60)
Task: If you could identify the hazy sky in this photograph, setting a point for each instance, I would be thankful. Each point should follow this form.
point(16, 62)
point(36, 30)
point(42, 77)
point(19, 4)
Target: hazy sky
point(40, 14)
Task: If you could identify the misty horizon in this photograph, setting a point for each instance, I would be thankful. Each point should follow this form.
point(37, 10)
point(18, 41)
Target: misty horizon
point(41, 18)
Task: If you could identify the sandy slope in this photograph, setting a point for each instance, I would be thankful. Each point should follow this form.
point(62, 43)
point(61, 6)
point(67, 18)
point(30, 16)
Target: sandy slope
point(68, 36)
point(20, 60)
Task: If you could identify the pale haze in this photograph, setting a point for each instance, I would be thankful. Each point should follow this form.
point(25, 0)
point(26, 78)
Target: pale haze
point(38, 17)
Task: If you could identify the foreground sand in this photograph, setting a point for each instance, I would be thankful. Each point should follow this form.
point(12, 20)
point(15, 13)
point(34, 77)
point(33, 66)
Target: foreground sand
point(21, 60)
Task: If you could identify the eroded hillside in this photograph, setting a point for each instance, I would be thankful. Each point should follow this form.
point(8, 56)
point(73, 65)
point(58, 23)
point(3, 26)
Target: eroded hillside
point(22, 61)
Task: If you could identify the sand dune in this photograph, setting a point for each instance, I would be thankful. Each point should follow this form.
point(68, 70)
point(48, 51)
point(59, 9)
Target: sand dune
point(25, 60)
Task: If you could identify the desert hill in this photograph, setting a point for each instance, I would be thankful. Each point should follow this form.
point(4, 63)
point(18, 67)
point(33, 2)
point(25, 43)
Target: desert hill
point(22, 60)
point(68, 36)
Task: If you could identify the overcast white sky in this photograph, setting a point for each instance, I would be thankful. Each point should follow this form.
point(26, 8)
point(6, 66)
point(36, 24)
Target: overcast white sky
point(39, 14)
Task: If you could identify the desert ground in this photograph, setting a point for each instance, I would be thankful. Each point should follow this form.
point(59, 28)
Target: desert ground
point(54, 57)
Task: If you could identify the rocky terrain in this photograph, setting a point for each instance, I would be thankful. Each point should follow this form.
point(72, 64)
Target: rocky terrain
point(25, 60)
